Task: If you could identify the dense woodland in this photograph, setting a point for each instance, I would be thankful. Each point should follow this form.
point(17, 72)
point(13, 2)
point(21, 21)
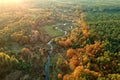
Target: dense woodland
point(89, 51)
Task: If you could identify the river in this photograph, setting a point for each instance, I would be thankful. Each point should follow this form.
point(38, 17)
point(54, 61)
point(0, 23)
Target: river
point(47, 64)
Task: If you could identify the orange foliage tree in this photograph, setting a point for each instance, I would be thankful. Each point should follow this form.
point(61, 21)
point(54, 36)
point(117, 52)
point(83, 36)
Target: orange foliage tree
point(80, 58)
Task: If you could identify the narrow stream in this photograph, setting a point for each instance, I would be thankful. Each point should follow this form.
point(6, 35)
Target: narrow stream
point(47, 64)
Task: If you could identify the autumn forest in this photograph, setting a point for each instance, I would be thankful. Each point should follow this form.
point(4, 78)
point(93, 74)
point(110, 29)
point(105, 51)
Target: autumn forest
point(60, 40)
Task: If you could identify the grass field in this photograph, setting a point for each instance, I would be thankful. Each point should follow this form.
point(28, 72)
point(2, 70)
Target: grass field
point(52, 31)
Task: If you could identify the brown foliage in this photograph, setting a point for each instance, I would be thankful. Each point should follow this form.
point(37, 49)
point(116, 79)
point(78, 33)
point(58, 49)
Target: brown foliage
point(93, 49)
point(70, 52)
point(65, 43)
point(74, 62)
point(59, 76)
point(26, 53)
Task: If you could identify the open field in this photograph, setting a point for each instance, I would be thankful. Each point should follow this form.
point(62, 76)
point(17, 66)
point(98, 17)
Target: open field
point(52, 31)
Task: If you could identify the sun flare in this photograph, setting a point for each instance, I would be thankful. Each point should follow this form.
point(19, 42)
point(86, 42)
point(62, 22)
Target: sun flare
point(11, 1)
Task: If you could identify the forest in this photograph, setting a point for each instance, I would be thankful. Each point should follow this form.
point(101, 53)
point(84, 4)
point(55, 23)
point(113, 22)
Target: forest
point(60, 40)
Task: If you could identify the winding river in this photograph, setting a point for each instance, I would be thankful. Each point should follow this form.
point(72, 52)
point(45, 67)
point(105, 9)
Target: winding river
point(47, 64)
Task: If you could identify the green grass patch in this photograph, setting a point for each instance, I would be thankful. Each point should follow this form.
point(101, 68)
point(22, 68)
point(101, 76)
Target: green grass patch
point(52, 31)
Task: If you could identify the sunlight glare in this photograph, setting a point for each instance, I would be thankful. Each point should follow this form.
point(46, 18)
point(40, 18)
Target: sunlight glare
point(11, 1)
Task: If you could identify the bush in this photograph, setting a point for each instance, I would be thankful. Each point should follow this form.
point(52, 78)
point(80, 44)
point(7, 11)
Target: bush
point(7, 63)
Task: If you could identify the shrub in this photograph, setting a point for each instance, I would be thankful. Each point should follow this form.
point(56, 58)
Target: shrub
point(7, 63)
